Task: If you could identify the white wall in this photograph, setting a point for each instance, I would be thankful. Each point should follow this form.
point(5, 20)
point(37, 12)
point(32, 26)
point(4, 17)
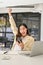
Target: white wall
point(4, 3)
point(41, 26)
point(37, 8)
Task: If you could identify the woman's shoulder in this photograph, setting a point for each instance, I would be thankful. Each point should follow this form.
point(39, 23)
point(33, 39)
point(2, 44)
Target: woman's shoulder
point(30, 37)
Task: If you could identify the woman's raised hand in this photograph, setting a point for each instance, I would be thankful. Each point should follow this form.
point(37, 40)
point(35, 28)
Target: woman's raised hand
point(9, 11)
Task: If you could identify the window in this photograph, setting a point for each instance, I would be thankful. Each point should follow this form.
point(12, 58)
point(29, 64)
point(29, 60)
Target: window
point(32, 20)
point(5, 30)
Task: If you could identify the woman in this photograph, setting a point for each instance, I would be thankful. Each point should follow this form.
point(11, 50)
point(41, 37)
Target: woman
point(21, 32)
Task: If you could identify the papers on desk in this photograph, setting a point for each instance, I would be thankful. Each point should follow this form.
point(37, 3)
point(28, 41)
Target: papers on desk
point(1, 52)
point(12, 52)
point(18, 52)
point(9, 52)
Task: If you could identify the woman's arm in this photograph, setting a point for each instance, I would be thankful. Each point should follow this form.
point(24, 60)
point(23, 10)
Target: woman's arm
point(28, 45)
point(12, 22)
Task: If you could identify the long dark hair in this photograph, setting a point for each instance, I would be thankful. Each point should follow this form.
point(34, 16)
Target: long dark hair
point(19, 34)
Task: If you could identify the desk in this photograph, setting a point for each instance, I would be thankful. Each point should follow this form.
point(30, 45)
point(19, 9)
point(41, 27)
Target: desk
point(20, 60)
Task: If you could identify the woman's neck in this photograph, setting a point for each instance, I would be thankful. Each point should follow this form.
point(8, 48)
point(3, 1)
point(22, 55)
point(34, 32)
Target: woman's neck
point(24, 36)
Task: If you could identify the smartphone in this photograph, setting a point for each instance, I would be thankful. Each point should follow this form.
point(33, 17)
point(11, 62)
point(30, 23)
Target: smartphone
point(19, 39)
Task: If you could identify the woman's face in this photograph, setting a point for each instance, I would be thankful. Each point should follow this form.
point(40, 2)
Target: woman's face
point(23, 30)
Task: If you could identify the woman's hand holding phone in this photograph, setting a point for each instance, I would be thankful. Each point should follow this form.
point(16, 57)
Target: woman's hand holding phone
point(20, 44)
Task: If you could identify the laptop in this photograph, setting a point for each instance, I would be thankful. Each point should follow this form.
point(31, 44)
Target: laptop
point(37, 49)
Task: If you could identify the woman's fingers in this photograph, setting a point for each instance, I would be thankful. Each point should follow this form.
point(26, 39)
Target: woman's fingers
point(9, 10)
point(21, 45)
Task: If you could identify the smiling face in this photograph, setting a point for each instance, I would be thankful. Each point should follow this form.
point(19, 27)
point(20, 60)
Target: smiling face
point(23, 30)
